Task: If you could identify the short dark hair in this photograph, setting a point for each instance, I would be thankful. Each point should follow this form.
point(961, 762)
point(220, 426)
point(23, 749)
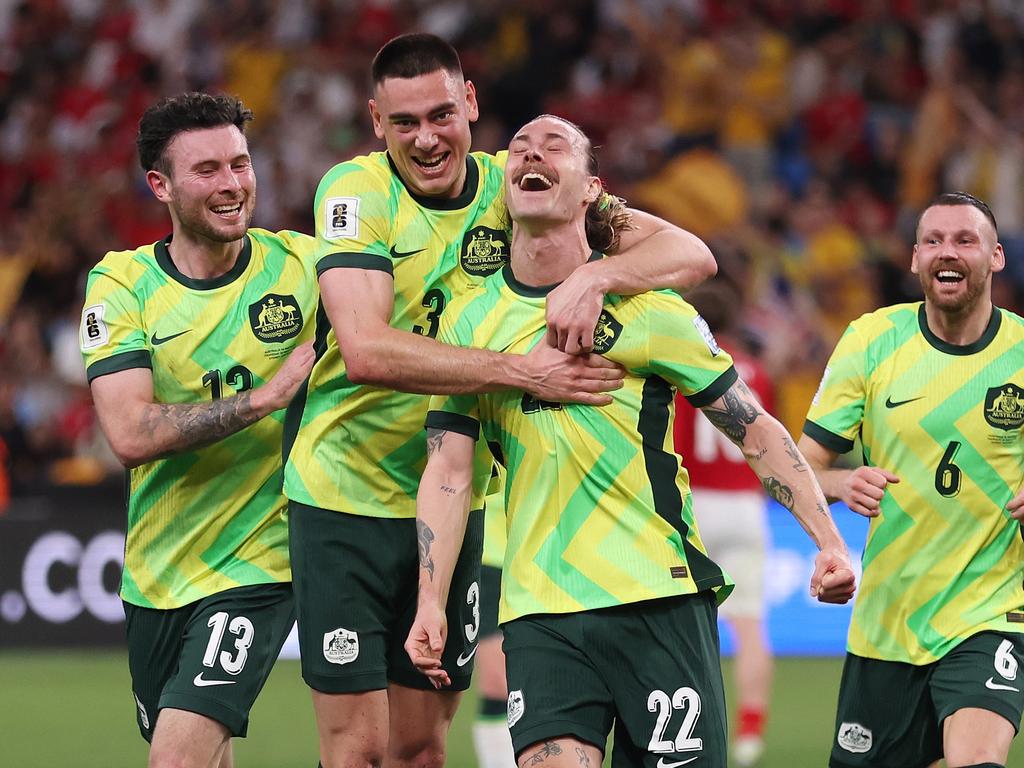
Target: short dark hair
point(962, 198)
point(412, 55)
point(185, 112)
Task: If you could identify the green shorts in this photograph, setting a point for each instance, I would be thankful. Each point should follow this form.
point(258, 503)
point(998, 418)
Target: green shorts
point(651, 668)
point(891, 713)
point(490, 596)
point(356, 580)
point(211, 657)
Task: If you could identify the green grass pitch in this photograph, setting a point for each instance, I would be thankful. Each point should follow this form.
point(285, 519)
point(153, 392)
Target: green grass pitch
point(76, 709)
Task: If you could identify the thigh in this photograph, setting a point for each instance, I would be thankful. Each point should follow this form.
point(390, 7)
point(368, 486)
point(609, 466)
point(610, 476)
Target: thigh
point(353, 576)
point(885, 717)
point(662, 664)
point(982, 673)
point(554, 688)
point(463, 614)
point(733, 527)
point(224, 650)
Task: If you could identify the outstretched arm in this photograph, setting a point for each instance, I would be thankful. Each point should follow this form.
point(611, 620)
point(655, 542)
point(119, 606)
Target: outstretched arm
point(442, 506)
point(788, 479)
point(654, 255)
point(861, 489)
point(359, 304)
point(141, 430)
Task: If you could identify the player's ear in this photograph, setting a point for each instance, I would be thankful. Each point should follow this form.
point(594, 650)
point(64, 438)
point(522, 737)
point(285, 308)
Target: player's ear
point(913, 262)
point(159, 185)
point(594, 189)
point(378, 128)
point(998, 258)
point(472, 108)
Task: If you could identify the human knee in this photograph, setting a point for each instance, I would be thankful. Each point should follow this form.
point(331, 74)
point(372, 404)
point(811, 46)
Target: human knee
point(425, 753)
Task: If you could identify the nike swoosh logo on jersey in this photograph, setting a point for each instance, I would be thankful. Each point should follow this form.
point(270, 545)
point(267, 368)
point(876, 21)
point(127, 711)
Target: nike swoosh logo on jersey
point(993, 685)
point(158, 340)
point(397, 254)
point(890, 403)
point(463, 660)
point(200, 682)
point(663, 764)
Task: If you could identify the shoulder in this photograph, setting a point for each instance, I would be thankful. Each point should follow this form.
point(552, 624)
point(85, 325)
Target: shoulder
point(491, 163)
point(125, 265)
point(287, 240)
point(362, 172)
point(898, 317)
point(661, 304)
point(1012, 321)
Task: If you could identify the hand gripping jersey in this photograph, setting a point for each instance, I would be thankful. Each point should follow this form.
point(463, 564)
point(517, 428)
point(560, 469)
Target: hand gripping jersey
point(597, 506)
point(209, 519)
point(944, 560)
point(357, 448)
point(712, 459)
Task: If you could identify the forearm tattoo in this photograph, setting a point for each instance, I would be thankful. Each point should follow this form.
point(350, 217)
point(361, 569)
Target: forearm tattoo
point(737, 414)
point(791, 450)
point(201, 424)
point(550, 749)
point(779, 491)
point(582, 755)
point(424, 538)
point(435, 438)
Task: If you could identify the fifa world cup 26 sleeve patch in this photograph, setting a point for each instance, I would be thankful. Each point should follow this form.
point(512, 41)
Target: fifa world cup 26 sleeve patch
point(341, 217)
point(94, 330)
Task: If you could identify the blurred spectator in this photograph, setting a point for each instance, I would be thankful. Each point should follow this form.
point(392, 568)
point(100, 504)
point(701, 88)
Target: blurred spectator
point(800, 138)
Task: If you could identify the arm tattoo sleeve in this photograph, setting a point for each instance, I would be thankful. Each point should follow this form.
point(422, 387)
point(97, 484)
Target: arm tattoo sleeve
point(435, 438)
point(798, 461)
point(736, 415)
point(424, 537)
point(779, 491)
point(549, 749)
point(201, 424)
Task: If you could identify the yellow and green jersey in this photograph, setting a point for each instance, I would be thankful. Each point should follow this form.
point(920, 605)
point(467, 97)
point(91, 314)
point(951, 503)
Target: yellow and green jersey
point(943, 560)
point(598, 507)
point(357, 448)
point(494, 517)
point(210, 519)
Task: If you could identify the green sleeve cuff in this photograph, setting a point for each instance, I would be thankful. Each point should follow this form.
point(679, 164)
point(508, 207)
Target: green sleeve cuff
point(354, 261)
point(714, 390)
point(454, 422)
point(123, 361)
point(830, 440)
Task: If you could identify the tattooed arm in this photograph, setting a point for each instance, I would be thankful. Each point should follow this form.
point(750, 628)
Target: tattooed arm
point(442, 507)
point(141, 430)
point(787, 478)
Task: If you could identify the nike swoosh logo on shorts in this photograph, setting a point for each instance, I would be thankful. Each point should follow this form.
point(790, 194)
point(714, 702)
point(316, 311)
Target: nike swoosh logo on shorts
point(993, 685)
point(463, 660)
point(200, 682)
point(663, 764)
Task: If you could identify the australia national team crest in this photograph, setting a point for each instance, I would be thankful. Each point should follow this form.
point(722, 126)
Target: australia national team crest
point(606, 333)
point(484, 251)
point(341, 646)
point(275, 318)
point(1004, 407)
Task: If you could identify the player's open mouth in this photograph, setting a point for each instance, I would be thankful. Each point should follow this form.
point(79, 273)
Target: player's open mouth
point(535, 178)
point(431, 163)
point(949, 276)
point(227, 210)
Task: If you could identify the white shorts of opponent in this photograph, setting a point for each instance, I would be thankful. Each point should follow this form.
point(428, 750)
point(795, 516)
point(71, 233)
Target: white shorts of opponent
point(734, 527)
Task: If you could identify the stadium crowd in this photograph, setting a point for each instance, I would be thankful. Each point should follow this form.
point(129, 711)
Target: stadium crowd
point(799, 139)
